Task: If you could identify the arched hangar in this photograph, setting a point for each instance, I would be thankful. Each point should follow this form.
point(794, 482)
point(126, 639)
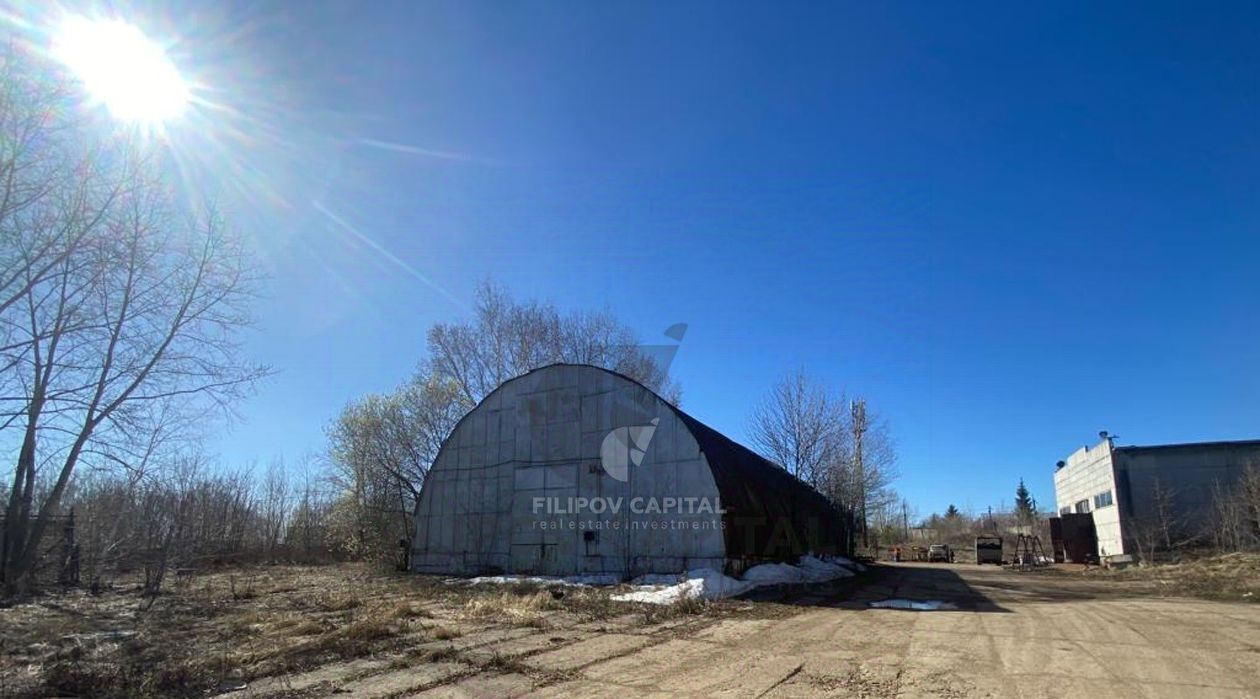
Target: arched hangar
point(573, 469)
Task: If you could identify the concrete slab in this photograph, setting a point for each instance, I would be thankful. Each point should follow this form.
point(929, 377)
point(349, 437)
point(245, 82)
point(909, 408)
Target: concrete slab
point(1031, 656)
point(299, 682)
point(591, 650)
point(1100, 644)
point(476, 639)
point(402, 680)
point(622, 621)
point(594, 690)
point(732, 630)
point(507, 686)
point(646, 667)
point(735, 674)
point(525, 645)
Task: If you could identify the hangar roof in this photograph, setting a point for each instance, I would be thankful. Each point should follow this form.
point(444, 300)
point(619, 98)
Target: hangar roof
point(770, 513)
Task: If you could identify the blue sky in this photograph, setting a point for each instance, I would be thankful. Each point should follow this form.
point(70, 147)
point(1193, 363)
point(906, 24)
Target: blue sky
point(1007, 227)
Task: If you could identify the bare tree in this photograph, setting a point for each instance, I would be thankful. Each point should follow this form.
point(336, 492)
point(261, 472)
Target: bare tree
point(119, 317)
point(188, 512)
point(275, 504)
point(507, 338)
point(1235, 520)
point(1163, 503)
point(55, 184)
point(890, 520)
point(839, 447)
point(1160, 530)
point(308, 532)
point(801, 426)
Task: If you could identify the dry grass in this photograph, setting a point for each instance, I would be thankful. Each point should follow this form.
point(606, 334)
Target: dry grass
point(591, 604)
point(681, 607)
point(336, 601)
point(220, 629)
point(242, 589)
point(408, 610)
point(1234, 576)
point(216, 628)
point(513, 607)
point(437, 655)
point(443, 633)
point(366, 630)
point(303, 627)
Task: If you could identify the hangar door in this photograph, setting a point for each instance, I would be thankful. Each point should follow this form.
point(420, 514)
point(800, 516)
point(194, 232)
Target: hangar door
point(545, 539)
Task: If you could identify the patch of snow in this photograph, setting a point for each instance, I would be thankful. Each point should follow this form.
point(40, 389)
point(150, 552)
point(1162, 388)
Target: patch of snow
point(810, 570)
point(702, 583)
point(820, 570)
point(933, 605)
point(569, 581)
point(847, 563)
point(662, 594)
point(501, 580)
point(774, 574)
point(705, 583)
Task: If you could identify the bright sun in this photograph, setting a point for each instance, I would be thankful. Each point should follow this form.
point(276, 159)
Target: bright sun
point(122, 68)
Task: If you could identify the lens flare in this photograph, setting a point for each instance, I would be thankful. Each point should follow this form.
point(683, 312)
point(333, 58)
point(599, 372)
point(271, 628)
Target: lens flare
point(122, 68)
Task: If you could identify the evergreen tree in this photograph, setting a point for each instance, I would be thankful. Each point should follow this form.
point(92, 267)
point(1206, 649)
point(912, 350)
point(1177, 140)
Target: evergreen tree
point(952, 512)
point(1025, 506)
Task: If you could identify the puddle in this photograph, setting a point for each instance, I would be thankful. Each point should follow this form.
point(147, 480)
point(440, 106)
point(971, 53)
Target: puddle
point(931, 605)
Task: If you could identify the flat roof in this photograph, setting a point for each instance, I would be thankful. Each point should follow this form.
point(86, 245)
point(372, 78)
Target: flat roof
point(1194, 445)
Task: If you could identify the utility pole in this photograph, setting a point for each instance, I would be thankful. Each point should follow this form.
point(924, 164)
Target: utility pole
point(858, 410)
point(905, 520)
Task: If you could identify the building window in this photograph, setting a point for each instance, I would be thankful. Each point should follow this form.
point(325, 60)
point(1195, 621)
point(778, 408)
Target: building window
point(1065, 511)
point(1102, 499)
point(1082, 507)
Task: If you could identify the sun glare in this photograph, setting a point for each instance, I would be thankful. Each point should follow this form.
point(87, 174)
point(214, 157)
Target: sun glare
point(122, 68)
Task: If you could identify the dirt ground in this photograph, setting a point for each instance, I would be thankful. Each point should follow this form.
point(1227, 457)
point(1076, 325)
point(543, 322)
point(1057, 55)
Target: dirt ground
point(295, 632)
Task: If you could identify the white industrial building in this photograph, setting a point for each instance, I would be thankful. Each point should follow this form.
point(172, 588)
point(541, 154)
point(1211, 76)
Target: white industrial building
point(574, 470)
point(1122, 487)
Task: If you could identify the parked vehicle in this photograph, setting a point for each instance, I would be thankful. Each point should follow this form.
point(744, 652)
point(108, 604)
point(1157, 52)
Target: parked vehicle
point(988, 550)
point(939, 553)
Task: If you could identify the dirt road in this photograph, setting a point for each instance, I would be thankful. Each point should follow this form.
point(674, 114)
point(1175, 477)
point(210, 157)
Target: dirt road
point(1039, 634)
